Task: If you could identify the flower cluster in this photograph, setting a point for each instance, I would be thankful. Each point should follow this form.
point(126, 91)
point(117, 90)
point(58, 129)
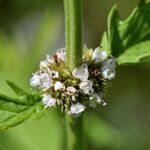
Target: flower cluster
point(76, 90)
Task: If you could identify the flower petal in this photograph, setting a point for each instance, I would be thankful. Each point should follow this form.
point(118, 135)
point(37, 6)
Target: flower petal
point(58, 86)
point(99, 55)
point(48, 101)
point(43, 64)
point(86, 87)
point(35, 80)
point(81, 72)
point(61, 54)
point(107, 73)
point(76, 109)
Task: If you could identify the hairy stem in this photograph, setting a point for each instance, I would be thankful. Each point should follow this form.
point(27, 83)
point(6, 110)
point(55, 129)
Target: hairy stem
point(73, 39)
point(74, 133)
point(73, 34)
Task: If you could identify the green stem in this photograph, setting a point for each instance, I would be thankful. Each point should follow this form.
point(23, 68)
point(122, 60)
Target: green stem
point(73, 34)
point(74, 133)
point(73, 39)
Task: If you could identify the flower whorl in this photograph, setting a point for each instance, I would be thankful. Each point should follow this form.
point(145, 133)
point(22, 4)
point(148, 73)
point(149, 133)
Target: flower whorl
point(76, 90)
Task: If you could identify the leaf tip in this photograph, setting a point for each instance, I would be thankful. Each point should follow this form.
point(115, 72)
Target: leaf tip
point(15, 88)
point(115, 7)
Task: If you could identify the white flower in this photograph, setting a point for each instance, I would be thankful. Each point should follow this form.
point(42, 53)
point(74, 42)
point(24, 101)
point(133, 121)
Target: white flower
point(45, 81)
point(35, 80)
point(53, 74)
point(86, 87)
point(41, 79)
point(71, 90)
point(110, 63)
point(107, 73)
point(61, 54)
point(76, 109)
point(81, 72)
point(58, 86)
point(48, 101)
point(99, 55)
point(108, 69)
point(43, 64)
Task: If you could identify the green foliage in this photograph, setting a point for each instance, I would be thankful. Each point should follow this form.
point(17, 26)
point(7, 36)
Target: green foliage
point(130, 34)
point(16, 110)
point(135, 53)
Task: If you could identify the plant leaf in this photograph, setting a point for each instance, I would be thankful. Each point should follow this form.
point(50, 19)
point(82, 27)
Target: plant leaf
point(14, 100)
point(11, 107)
point(16, 110)
point(16, 119)
point(122, 35)
point(135, 53)
point(16, 89)
point(104, 42)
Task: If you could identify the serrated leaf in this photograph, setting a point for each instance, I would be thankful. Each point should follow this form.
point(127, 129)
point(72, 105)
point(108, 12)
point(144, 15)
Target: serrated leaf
point(16, 110)
point(114, 41)
point(122, 35)
point(135, 53)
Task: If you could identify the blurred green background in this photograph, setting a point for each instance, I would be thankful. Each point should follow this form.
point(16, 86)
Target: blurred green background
point(31, 29)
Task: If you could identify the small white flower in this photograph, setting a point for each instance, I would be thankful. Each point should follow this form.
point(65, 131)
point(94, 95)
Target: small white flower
point(61, 54)
point(108, 74)
point(108, 69)
point(81, 72)
point(43, 64)
point(53, 74)
point(35, 80)
point(86, 87)
point(42, 80)
point(76, 109)
point(50, 59)
point(99, 55)
point(48, 101)
point(71, 90)
point(58, 86)
point(46, 81)
point(110, 63)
